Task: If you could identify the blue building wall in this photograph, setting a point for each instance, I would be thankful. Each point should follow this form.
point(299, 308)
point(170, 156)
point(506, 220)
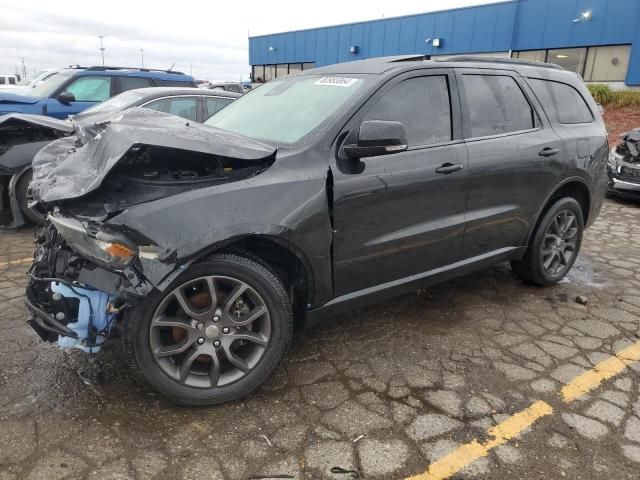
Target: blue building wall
point(497, 27)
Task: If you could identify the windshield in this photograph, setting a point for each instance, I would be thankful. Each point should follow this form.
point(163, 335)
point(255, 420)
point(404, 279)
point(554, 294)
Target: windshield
point(284, 111)
point(117, 103)
point(50, 85)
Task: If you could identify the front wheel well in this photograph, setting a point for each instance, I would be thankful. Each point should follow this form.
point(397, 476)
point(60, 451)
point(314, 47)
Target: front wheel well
point(284, 263)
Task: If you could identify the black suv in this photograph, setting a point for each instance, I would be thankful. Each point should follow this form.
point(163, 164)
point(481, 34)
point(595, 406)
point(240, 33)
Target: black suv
point(313, 194)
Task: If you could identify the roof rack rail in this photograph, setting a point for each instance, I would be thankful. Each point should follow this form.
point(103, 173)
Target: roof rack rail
point(513, 61)
point(101, 68)
point(409, 58)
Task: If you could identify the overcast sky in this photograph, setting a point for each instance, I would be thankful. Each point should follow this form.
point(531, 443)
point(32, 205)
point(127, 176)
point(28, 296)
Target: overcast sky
point(208, 36)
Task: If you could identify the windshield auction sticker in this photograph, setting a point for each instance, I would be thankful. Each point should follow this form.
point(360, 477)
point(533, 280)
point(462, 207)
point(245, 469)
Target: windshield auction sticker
point(336, 81)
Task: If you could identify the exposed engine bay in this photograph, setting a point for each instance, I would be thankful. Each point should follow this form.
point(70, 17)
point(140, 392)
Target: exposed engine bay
point(148, 172)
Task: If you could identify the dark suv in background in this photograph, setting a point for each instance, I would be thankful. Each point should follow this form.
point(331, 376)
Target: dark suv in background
point(311, 195)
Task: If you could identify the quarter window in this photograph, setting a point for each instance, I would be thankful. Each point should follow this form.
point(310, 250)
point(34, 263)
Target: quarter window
point(91, 89)
point(422, 105)
point(496, 105)
point(214, 104)
point(185, 107)
point(562, 101)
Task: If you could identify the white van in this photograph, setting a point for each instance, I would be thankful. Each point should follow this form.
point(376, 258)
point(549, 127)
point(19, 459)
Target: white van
point(8, 81)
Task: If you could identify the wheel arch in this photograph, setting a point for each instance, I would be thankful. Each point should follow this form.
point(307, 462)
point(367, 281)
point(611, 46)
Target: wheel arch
point(576, 188)
point(282, 256)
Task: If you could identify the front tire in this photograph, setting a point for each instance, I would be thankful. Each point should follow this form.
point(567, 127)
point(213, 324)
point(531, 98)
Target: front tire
point(22, 196)
point(214, 335)
point(555, 244)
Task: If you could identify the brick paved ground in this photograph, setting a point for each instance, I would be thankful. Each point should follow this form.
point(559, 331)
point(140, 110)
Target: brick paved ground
point(417, 376)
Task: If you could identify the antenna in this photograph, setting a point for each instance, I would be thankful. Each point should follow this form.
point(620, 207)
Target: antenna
point(171, 67)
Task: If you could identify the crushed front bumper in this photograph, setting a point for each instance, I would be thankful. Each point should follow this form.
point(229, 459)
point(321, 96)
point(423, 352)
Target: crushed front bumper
point(624, 182)
point(65, 308)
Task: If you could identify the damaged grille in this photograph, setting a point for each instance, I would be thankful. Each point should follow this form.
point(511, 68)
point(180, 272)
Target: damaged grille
point(631, 173)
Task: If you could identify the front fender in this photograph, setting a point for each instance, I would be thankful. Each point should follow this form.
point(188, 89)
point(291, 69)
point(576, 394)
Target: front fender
point(275, 204)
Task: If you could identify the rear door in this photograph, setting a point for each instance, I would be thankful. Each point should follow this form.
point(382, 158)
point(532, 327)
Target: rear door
point(515, 156)
point(582, 130)
point(401, 214)
point(130, 83)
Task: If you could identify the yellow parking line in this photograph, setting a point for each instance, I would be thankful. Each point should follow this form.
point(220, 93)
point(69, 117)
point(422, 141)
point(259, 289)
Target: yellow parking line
point(16, 262)
point(470, 452)
point(601, 372)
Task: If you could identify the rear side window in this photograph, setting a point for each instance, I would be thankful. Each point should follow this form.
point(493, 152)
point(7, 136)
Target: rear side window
point(2, 81)
point(215, 104)
point(12, 81)
point(185, 107)
point(131, 83)
point(496, 105)
point(562, 101)
point(422, 105)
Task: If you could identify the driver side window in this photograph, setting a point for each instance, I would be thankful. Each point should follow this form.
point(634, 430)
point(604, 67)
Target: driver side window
point(90, 89)
point(423, 106)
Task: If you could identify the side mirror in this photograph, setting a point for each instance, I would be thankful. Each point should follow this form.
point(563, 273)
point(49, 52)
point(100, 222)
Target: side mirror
point(66, 97)
point(378, 137)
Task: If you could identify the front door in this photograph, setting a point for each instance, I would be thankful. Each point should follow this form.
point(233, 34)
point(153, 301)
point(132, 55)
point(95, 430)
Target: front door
point(88, 91)
point(402, 214)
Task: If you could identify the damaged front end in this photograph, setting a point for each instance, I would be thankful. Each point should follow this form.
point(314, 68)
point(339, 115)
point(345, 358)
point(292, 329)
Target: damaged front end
point(623, 167)
point(81, 278)
point(90, 265)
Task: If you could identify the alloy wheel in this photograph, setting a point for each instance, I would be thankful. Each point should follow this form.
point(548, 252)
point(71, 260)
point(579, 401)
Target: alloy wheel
point(560, 243)
point(210, 331)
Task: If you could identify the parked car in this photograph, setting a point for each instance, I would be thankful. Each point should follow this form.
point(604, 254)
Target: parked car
point(309, 196)
point(75, 89)
point(23, 135)
point(25, 85)
point(624, 166)
point(235, 87)
point(10, 81)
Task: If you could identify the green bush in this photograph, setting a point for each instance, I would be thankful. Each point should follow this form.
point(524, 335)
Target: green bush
point(626, 99)
point(602, 94)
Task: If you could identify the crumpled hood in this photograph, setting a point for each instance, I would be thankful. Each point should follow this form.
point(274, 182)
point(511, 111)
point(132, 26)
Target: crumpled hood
point(14, 98)
point(74, 166)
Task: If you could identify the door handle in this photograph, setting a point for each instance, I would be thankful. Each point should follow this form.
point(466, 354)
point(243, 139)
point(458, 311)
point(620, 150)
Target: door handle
point(448, 168)
point(548, 152)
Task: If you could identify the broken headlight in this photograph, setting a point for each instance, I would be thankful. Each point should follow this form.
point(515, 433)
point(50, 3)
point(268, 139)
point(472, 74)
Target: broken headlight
point(111, 250)
point(612, 162)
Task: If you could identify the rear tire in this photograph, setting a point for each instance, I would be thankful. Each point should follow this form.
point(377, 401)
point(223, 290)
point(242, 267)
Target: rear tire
point(22, 196)
point(554, 246)
point(225, 359)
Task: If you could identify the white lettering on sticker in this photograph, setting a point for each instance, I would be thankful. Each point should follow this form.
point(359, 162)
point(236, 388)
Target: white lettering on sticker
point(336, 81)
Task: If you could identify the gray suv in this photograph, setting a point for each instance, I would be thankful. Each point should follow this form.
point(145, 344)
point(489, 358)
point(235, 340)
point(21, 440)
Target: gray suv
point(309, 196)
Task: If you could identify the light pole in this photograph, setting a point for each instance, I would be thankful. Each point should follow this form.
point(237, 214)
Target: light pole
point(142, 57)
point(101, 48)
